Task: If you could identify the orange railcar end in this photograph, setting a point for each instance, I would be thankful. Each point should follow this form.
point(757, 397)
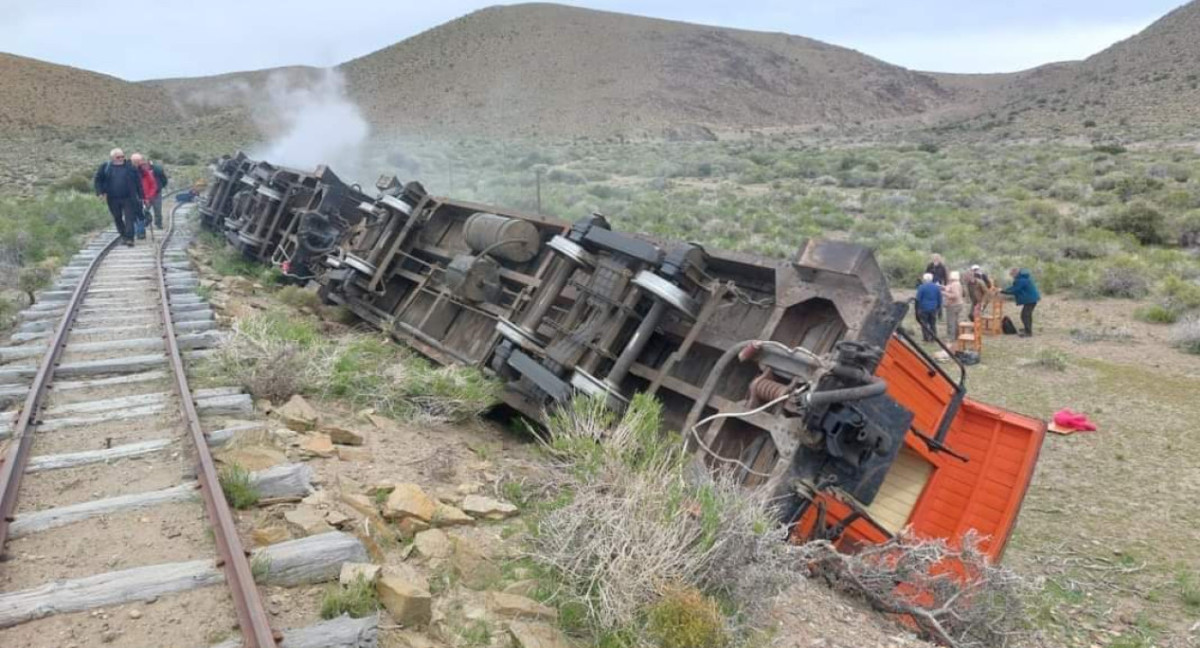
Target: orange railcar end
point(936, 494)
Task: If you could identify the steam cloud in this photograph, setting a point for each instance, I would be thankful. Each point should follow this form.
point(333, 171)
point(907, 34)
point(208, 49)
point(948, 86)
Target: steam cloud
point(312, 123)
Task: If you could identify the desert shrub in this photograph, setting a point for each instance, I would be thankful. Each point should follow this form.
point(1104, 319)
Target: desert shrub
point(1088, 335)
point(1156, 314)
point(1129, 187)
point(928, 147)
point(1181, 294)
point(78, 183)
point(238, 488)
point(1140, 220)
point(358, 599)
point(1111, 149)
point(685, 618)
point(1124, 280)
point(1051, 359)
point(636, 519)
point(187, 159)
point(1185, 334)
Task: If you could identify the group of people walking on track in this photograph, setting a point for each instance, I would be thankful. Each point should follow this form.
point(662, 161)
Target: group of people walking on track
point(944, 293)
point(133, 189)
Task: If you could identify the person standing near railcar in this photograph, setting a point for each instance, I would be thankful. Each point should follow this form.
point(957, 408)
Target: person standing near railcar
point(120, 185)
point(929, 302)
point(1026, 294)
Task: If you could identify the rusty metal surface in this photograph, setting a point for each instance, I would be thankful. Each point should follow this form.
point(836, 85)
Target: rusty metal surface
point(14, 462)
point(582, 308)
point(252, 617)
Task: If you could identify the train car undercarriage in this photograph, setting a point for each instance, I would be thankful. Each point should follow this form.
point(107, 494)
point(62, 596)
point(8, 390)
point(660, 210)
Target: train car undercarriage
point(792, 374)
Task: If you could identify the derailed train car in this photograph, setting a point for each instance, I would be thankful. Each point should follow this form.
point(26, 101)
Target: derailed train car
point(792, 374)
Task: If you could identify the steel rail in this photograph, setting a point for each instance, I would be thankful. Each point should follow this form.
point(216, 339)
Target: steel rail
point(252, 617)
point(13, 467)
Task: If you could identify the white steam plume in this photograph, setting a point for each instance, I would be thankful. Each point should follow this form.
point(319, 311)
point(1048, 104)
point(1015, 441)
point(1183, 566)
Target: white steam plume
point(312, 123)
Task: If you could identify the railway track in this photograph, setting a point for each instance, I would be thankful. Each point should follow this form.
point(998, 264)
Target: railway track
point(114, 528)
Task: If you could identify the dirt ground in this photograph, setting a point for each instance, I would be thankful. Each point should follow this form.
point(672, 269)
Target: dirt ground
point(1110, 526)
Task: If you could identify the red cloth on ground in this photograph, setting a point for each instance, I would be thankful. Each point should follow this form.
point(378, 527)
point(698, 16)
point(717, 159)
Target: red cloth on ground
point(1073, 421)
point(149, 184)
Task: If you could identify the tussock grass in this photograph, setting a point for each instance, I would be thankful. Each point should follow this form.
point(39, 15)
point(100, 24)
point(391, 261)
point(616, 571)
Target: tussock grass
point(1051, 359)
point(685, 618)
point(358, 599)
point(235, 483)
point(1185, 334)
point(277, 354)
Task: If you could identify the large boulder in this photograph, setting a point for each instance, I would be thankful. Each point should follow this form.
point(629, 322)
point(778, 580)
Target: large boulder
point(343, 435)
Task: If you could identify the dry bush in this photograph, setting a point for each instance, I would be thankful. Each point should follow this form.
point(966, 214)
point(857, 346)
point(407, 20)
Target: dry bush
point(1185, 334)
point(954, 596)
point(636, 524)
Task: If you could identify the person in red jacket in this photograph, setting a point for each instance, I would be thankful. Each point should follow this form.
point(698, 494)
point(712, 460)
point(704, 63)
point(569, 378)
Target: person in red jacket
point(149, 191)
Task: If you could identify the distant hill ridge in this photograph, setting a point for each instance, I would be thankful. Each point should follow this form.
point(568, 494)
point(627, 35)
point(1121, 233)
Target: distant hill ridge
point(552, 70)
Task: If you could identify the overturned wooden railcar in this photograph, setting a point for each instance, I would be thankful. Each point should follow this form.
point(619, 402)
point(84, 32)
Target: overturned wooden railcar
point(791, 374)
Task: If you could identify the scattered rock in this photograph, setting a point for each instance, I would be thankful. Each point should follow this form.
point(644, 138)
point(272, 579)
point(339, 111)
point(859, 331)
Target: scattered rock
point(346, 453)
point(433, 544)
point(410, 527)
point(522, 587)
point(269, 535)
point(135, 614)
point(253, 458)
point(352, 571)
point(537, 635)
point(488, 508)
point(263, 405)
point(284, 437)
point(514, 605)
point(337, 518)
point(409, 501)
point(385, 485)
point(408, 601)
point(448, 516)
point(298, 414)
point(319, 445)
point(471, 488)
point(473, 568)
point(344, 435)
point(375, 527)
point(307, 520)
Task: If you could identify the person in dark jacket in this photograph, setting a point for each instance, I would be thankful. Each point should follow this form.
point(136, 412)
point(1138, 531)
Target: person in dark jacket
point(155, 171)
point(929, 302)
point(1026, 294)
point(941, 276)
point(120, 185)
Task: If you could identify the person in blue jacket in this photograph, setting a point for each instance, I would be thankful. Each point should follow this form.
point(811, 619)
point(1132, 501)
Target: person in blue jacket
point(1026, 294)
point(929, 303)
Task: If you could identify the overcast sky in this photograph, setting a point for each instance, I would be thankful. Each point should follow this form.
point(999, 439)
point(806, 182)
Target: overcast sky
point(169, 38)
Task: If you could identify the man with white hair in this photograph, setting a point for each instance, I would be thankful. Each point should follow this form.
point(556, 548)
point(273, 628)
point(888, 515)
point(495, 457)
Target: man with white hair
point(120, 186)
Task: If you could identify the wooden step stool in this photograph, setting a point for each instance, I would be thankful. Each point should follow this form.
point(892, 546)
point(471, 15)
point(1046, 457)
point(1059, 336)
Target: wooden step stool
point(991, 315)
point(968, 338)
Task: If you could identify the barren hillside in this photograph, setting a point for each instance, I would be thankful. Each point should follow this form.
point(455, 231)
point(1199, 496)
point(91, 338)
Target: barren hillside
point(1148, 80)
point(39, 94)
point(550, 69)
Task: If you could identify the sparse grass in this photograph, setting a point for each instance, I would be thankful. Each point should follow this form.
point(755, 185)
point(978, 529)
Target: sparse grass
point(475, 633)
point(1156, 314)
point(1189, 589)
point(238, 489)
point(1051, 359)
point(298, 297)
point(260, 566)
point(358, 599)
